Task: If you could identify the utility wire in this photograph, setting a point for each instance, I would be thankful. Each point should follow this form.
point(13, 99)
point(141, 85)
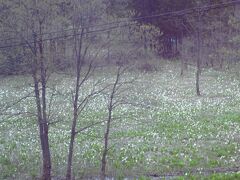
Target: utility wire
point(172, 14)
point(65, 36)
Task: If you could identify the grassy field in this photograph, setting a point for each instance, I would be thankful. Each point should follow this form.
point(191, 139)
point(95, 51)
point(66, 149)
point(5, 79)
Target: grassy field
point(165, 130)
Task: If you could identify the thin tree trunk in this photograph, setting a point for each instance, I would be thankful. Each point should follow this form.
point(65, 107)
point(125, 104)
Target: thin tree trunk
point(197, 82)
point(182, 66)
point(182, 56)
point(108, 48)
point(75, 104)
point(106, 135)
point(41, 108)
point(71, 148)
point(44, 124)
point(73, 133)
point(46, 174)
point(198, 58)
point(145, 42)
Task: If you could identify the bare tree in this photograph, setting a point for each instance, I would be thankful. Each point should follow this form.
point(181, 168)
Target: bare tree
point(36, 19)
point(113, 102)
point(80, 54)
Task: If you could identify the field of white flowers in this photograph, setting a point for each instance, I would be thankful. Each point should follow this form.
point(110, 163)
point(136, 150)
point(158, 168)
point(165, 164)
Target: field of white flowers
point(164, 129)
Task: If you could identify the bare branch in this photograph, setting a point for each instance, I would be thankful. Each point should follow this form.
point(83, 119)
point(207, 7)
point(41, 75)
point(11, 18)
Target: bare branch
point(89, 126)
point(16, 102)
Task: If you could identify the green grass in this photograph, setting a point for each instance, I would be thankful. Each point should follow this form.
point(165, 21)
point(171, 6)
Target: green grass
point(220, 176)
point(169, 130)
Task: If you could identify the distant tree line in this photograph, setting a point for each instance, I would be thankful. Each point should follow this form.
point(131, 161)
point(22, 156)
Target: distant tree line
point(168, 34)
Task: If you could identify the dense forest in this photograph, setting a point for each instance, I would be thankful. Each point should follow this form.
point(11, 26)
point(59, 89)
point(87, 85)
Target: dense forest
point(119, 89)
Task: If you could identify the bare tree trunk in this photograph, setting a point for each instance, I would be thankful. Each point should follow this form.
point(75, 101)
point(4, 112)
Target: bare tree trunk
point(182, 56)
point(106, 137)
point(78, 51)
point(197, 82)
point(198, 58)
point(44, 123)
point(183, 66)
point(108, 48)
point(107, 131)
point(45, 141)
point(43, 130)
point(39, 76)
point(73, 131)
point(145, 42)
point(41, 106)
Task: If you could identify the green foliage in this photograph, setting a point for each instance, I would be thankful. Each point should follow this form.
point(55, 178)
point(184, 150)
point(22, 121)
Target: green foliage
point(215, 176)
point(172, 131)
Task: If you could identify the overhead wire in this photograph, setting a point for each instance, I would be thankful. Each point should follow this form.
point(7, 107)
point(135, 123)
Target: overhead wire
point(171, 14)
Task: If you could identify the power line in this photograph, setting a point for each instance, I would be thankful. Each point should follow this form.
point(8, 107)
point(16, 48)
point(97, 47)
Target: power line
point(72, 35)
point(65, 36)
point(171, 13)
